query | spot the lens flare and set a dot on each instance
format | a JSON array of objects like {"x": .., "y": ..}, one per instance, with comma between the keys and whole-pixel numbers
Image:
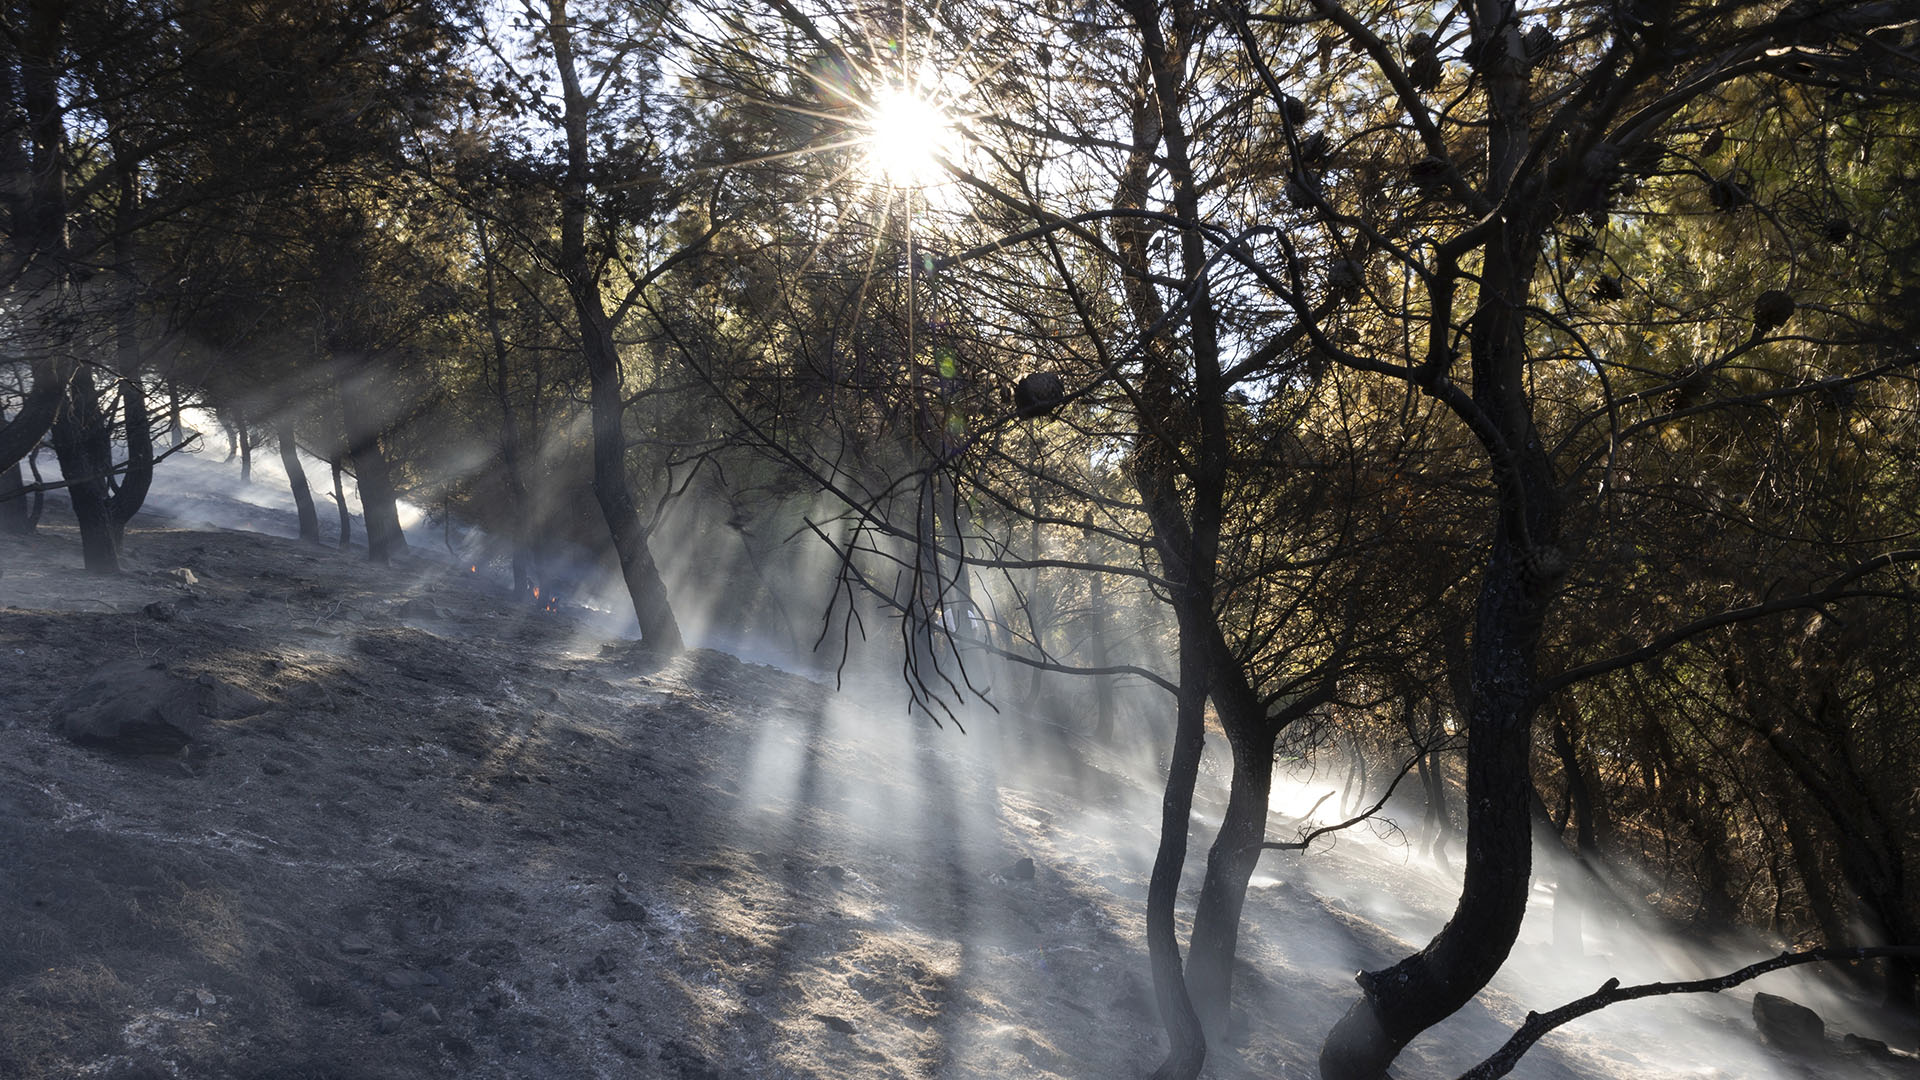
[{"x": 910, "y": 137}]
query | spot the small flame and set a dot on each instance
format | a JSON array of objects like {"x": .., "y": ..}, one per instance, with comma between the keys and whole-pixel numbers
[
  {"x": 474, "y": 569},
  {"x": 536, "y": 592}
]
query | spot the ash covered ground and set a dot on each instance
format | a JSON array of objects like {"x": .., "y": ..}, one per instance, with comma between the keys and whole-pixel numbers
[{"x": 426, "y": 832}]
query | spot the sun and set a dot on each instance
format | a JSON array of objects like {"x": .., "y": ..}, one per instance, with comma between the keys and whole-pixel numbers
[{"x": 910, "y": 137}]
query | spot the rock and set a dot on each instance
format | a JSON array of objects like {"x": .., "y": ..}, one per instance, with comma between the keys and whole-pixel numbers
[
  {"x": 390, "y": 1022},
  {"x": 355, "y": 945},
  {"x": 845, "y": 1027},
  {"x": 137, "y": 707},
  {"x": 419, "y": 607},
  {"x": 406, "y": 979},
  {"x": 315, "y": 991},
  {"x": 427, "y": 1014},
  {"x": 204, "y": 998},
  {"x": 273, "y": 768},
  {"x": 184, "y": 576},
  {"x": 232, "y": 702},
  {"x": 1020, "y": 870},
  {"x": 1859, "y": 1046},
  {"x": 1789, "y": 1026},
  {"x": 625, "y": 908},
  {"x": 161, "y": 611}
]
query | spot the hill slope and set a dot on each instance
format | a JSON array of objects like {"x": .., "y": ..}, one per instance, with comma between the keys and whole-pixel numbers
[{"x": 426, "y": 833}]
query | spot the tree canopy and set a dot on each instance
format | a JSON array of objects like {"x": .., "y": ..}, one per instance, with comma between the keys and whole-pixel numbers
[{"x": 1519, "y": 396}]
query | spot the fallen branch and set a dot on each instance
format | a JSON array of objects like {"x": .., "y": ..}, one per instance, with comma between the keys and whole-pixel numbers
[{"x": 1611, "y": 992}]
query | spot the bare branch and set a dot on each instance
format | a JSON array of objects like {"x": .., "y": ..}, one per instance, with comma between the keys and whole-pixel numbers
[{"x": 1611, "y": 992}]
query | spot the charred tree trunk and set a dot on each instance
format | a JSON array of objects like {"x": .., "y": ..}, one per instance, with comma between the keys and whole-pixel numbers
[
  {"x": 1103, "y": 704},
  {"x": 246, "y": 449},
  {"x": 39, "y": 495},
  {"x": 511, "y": 451},
  {"x": 41, "y": 226},
  {"x": 131, "y": 492},
  {"x": 137, "y": 479},
  {"x": 1589, "y": 821},
  {"x": 1223, "y": 893},
  {"x": 378, "y": 500},
  {"x": 13, "y": 502},
  {"x": 1435, "y": 823},
  {"x": 297, "y": 480},
  {"x": 340, "y": 502},
  {"x": 1401, "y": 1001},
  {"x": 1186, "y": 1039},
  {"x": 31, "y": 422},
  {"x": 1522, "y": 575},
  {"x": 82, "y": 443},
  {"x": 1871, "y": 853},
  {"x": 658, "y": 626}
]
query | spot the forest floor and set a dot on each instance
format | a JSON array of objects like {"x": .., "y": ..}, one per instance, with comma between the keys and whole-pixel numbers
[{"x": 430, "y": 833}]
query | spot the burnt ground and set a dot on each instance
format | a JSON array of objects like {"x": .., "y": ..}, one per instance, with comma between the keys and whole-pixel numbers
[
  {"x": 428, "y": 833},
  {"x": 440, "y": 836}
]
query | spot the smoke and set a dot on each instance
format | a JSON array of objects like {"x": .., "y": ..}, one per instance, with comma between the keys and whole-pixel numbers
[
  {"x": 953, "y": 815},
  {"x": 1366, "y": 897}
]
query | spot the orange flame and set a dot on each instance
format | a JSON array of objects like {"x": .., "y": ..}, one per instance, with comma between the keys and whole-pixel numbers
[{"x": 536, "y": 592}]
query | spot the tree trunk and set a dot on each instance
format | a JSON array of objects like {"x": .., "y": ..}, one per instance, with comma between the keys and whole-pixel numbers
[
  {"x": 606, "y": 398},
  {"x": 297, "y": 480},
  {"x": 1872, "y": 855},
  {"x": 1186, "y": 1039},
  {"x": 378, "y": 503},
  {"x": 81, "y": 442},
  {"x": 1039, "y": 614},
  {"x": 131, "y": 494},
  {"x": 1223, "y": 894},
  {"x": 42, "y": 228},
  {"x": 13, "y": 502},
  {"x": 20, "y": 435},
  {"x": 39, "y": 495},
  {"x": 1103, "y": 704},
  {"x": 1400, "y": 1002},
  {"x": 246, "y": 449},
  {"x": 362, "y": 410},
  {"x": 340, "y": 501},
  {"x": 519, "y": 525},
  {"x": 1522, "y": 575}
]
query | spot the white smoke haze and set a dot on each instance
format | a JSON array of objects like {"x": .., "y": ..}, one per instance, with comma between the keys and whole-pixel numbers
[{"x": 950, "y": 812}]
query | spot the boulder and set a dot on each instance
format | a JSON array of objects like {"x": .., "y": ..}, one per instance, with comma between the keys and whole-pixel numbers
[
  {"x": 138, "y": 707},
  {"x": 232, "y": 701},
  {"x": 419, "y": 607},
  {"x": 1865, "y": 1047},
  {"x": 1789, "y": 1026}
]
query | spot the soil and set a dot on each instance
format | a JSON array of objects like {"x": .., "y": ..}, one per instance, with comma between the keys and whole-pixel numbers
[
  {"x": 447, "y": 836},
  {"x": 429, "y": 832}
]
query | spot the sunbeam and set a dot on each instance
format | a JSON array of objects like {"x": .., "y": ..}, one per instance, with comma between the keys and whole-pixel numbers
[{"x": 912, "y": 137}]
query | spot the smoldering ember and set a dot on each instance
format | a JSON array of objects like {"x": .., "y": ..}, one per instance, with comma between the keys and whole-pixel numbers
[{"x": 1123, "y": 538}]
